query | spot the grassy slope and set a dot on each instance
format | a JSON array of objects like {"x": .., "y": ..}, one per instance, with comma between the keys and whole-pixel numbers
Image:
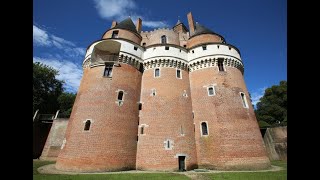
[{"x": 277, "y": 175}]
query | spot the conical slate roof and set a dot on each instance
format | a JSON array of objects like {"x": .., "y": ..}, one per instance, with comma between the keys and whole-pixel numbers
[
  {"x": 200, "y": 29},
  {"x": 126, "y": 24}
]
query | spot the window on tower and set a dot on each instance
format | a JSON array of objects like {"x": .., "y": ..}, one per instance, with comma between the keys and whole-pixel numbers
[
  {"x": 220, "y": 64},
  {"x": 244, "y": 100},
  {"x": 120, "y": 95},
  {"x": 204, "y": 47},
  {"x": 204, "y": 129},
  {"x": 115, "y": 34},
  {"x": 157, "y": 72},
  {"x": 164, "y": 39},
  {"x": 87, "y": 125},
  {"x": 211, "y": 91},
  {"x": 108, "y": 69},
  {"x": 178, "y": 73}
]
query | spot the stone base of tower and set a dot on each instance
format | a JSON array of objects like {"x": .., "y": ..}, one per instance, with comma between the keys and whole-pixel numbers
[
  {"x": 258, "y": 163},
  {"x": 92, "y": 165}
]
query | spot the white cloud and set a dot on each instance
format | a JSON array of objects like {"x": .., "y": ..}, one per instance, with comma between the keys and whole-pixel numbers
[
  {"x": 69, "y": 72},
  {"x": 40, "y": 37},
  {"x": 256, "y": 95},
  {"x": 43, "y": 38},
  {"x": 121, "y": 9}
]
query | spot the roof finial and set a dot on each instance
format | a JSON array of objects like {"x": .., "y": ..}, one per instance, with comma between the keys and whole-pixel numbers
[{"x": 178, "y": 20}]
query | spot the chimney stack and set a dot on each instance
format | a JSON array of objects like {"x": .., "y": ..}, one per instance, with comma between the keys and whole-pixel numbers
[
  {"x": 191, "y": 23},
  {"x": 114, "y": 23},
  {"x": 139, "y": 25}
]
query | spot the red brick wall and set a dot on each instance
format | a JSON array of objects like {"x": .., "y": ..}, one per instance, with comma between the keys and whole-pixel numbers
[
  {"x": 110, "y": 144},
  {"x": 234, "y": 140},
  {"x": 123, "y": 34},
  {"x": 203, "y": 38},
  {"x": 164, "y": 114}
]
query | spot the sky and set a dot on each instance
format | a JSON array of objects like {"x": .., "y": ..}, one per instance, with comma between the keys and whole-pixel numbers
[{"x": 63, "y": 29}]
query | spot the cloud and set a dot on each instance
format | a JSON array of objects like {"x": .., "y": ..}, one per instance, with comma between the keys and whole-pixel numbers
[
  {"x": 43, "y": 38},
  {"x": 69, "y": 72},
  {"x": 121, "y": 9},
  {"x": 256, "y": 95},
  {"x": 40, "y": 37}
]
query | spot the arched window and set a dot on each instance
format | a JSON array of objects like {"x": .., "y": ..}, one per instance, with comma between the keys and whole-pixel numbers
[
  {"x": 87, "y": 125},
  {"x": 120, "y": 95},
  {"x": 204, "y": 128},
  {"x": 164, "y": 39}
]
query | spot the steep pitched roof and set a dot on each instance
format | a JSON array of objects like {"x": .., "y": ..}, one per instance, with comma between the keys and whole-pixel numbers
[{"x": 126, "y": 24}]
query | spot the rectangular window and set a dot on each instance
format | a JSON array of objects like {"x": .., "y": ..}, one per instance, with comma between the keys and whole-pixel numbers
[
  {"x": 153, "y": 92},
  {"x": 179, "y": 73},
  {"x": 108, "y": 70},
  {"x": 140, "y": 106},
  {"x": 244, "y": 100},
  {"x": 204, "y": 129},
  {"x": 204, "y": 47},
  {"x": 220, "y": 64},
  {"x": 135, "y": 48},
  {"x": 141, "y": 130},
  {"x": 157, "y": 72},
  {"x": 115, "y": 34},
  {"x": 211, "y": 91},
  {"x": 167, "y": 48}
]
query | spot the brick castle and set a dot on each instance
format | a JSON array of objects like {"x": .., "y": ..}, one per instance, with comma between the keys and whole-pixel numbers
[{"x": 167, "y": 99}]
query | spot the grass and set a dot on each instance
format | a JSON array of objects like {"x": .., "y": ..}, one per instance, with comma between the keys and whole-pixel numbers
[
  {"x": 132, "y": 176},
  {"x": 273, "y": 175}
]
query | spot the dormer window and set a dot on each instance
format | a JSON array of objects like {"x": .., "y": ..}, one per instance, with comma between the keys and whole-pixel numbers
[{"x": 115, "y": 34}]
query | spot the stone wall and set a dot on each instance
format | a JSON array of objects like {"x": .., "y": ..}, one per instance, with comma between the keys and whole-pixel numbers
[
  {"x": 275, "y": 140},
  {"x": 55, "y": 139}
]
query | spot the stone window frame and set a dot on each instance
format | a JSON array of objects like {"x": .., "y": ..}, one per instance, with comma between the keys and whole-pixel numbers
[
  {"x": 202, "y": 135},
  {"x": 84, "y": 122},
  {"x": 244, "y": 100},
  {"x": 166, "y": 40},
  {"x": 153, "y": 90},
  {"x": 120, "y": 102},
  {"x": 214, "y": 89},
  {"x": 154, "y": 73},
  {"x": 177, "y": 73},
  {"x": 171, "y": 144},
  {"x": 144, "y": 126},
  {"x": 185, "y": 94}
]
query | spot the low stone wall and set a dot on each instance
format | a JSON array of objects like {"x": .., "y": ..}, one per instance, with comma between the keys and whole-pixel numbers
[
  {"x": 275, "y": 140},
  {"x": 55, "y": 139}
]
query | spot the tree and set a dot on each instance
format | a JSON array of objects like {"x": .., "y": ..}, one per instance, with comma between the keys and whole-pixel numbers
[
  {"x": 66, "y": 101},
  {"x": 46, "y": 88},
  {"x": 272, "y": 108}
]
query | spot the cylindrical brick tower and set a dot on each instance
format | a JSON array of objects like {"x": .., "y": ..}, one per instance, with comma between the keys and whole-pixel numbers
[
  {"x": 226, "y": 130},
  {"x": 166, "y": 130},
  {"x": 102, "y": 132}
]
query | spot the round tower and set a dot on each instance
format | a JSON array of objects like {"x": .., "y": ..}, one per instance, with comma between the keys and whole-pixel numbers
[
  {"x": 226, "y": 130},
  {"x": 166, "y": 130},
  {"x": 102, "y": 132}
]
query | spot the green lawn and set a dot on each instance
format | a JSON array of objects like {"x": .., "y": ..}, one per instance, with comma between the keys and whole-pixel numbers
[
  {"x": 277, "y": 175},
  {"x": 132, "y": 176}
]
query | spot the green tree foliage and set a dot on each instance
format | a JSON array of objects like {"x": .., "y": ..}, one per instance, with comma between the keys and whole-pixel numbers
[
  {"x": 66, "y": 101},
  {"x": 46, "y": 88},
  {"x": 272, "y": 108}
]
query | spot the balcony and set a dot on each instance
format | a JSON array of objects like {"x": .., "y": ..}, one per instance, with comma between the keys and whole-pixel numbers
[{"x": 102, "y": 59}]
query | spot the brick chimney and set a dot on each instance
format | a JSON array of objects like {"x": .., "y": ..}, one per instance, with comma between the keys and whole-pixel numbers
[
  {"x": 114, "y": 23},
  {"x": 139, "y": 25},
  {"x": 191, "y": 23}
]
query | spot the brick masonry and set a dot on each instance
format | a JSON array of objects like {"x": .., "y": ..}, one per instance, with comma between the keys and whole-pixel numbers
[{"x": 115, "y": 140}]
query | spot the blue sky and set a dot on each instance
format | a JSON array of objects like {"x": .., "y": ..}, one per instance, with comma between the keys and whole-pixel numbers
[{"x": 62, "y": 30}]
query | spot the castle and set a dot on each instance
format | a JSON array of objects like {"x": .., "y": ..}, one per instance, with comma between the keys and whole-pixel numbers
[{"x": 167, "y": 99}]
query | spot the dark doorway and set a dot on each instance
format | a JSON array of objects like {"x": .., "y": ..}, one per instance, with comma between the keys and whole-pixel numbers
[{"x": 182, "y": 163}]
